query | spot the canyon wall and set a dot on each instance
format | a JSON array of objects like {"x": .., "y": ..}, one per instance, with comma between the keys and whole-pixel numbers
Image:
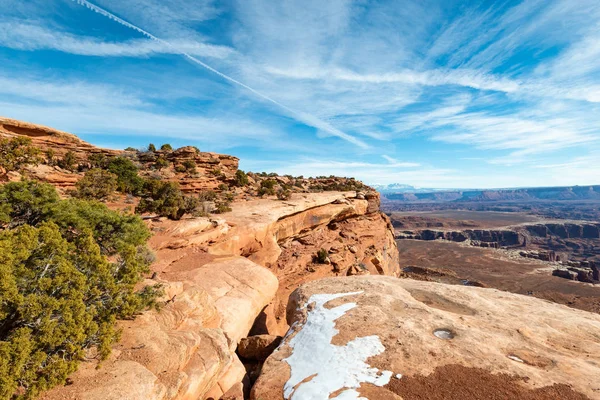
[{"x": 226, "y": 278}]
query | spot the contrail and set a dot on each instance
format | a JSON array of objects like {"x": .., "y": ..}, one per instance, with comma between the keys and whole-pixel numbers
[{"x": 301, "y": 116}]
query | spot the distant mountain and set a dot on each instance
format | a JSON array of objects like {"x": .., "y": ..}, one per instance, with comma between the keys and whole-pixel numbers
[
  {"x": 485, "y": 195},
  {"x": 402, "y": 188}
]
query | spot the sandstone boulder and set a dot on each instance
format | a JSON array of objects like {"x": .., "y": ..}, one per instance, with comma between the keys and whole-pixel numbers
[
  {"x": 381, "y": 337},
  {"x": 258, "y": 347}
]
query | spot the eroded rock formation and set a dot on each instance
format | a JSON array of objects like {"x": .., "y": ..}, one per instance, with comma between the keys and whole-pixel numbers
[
  {"x": 387, "y": 338},
  {"x": 220, "y": 275}
]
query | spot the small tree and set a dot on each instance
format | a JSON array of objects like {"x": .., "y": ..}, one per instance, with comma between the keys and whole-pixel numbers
[
  {"x": 151, "y": 147},
  {"x": 128, "y": 180},
  {"x": 166, "y": 147},
  {"x": 165, "y": 199},
  {"x": 96, "y": 184},
  {"x": 241, "y": 179},
  {"x": 68, "y": 162},
  {"x": 17, "y": 153}
]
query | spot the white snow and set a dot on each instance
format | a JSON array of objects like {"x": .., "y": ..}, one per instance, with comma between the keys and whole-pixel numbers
[
  {"x": 319, "y": 368},
  {"x": 515, "y": 358}
]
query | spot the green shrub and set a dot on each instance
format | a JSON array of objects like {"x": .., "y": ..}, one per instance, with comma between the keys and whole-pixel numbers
[
  {"x": 284, "y": 194},
  {"x": 222, "y": 207},
  {"x": 67, "y": 271},
  {"x": 161, "y": 163},
  {"x": 207, "y": 195},
  {"x": 50, "y": 154},
  {"x": 166, "y": 200},
  {"x": 321, "y": 257},
  {"x": 98, "y": 160},
  {"x": 166, "y": 147},
  {"x": 241, "y": 179},
  {"x": 131, "y": 149},
  {"x": 126, "y": 171},
  {"x": 190, "y": 166},
  {"x": 26, "y": 202},
  {"x": 267, "y": 187},
  {"x": 17, "y": 153},
  {"x": 151, "y": 147},
  {"x": 96, "y": 184},
  {"x": 68, "y": 162}
]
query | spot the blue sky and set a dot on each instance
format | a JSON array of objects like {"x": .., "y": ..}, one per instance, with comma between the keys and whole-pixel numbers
[{"x": 429, "y": 93}]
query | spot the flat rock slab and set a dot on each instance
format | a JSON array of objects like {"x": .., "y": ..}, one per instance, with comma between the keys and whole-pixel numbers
[{"x": 373, "y": 337}]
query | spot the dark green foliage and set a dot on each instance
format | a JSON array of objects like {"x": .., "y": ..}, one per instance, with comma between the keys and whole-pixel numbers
[
  {"x": 96, "y": 184},
  {"x": 267, "y": 187},
  {"x": 151, "y": 147},
  {"x": 68, "y": 162},
  {"x": 179, "y": 168},
  {"x": 67, "y": 272},
  {"x": 17, "y": 153},
  {"x": 241, "y": 179},
  {"x": 190, "y": 166},
  {"x": 165, "y": 199},
  {"x": 166, "y": 147},
  {"x": 26, "y": 202},
  {"x": 126, "y": 171},
  {"x": 161, "y": 163},
  {"x": 131, "y": 149},
  {"x": 321, "y": 257},
  {"x": 98, "y": 160},
  {"x": 223, "y": 187}
]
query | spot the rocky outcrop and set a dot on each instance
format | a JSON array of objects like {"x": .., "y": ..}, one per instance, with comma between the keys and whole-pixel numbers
[
  {"x": 212, "y": 169},
  {"x": 216, "y": 287},
  {"x": 387, "y": 338},
  {"x": 185, "y": 351}
]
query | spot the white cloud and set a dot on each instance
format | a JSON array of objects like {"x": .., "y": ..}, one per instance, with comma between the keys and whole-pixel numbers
[{"x": 30, "y": 37}]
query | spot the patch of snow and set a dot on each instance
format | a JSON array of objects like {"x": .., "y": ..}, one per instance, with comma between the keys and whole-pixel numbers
[
  {"x": 319, "y": 368},
  {"x": 398, "y": 376}
]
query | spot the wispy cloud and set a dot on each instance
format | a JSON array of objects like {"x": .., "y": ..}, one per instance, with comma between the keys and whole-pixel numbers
[
  {"x": 30, "y": 37},
  {"x": 515, "y": 84}
]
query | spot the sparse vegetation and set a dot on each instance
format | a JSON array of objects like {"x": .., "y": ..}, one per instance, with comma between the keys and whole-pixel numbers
[
  {"x": 241, "y": 179},
  {"x": 68, "y": 270},
  {"x": 267, "y": 187},
  {"x": 151, "y": 147},
  {"x": 190, "y": 166},
  {"x": 284, "y": 194},
  {"x": 96, "y": 184},
  {"x": 161, "y": 163},
  {"x": 68, "y": 161},
  {"x": 17, "y": 153},
  {"x": 166, "y": 200},
  {"x": 166, "y": 147},
  {"x": 321, "y": 257}
]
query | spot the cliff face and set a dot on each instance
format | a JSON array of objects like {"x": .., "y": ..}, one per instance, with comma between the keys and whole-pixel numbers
[
  {"x": 211, "y": 168},
  {"x": 224, "y": 278}
]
